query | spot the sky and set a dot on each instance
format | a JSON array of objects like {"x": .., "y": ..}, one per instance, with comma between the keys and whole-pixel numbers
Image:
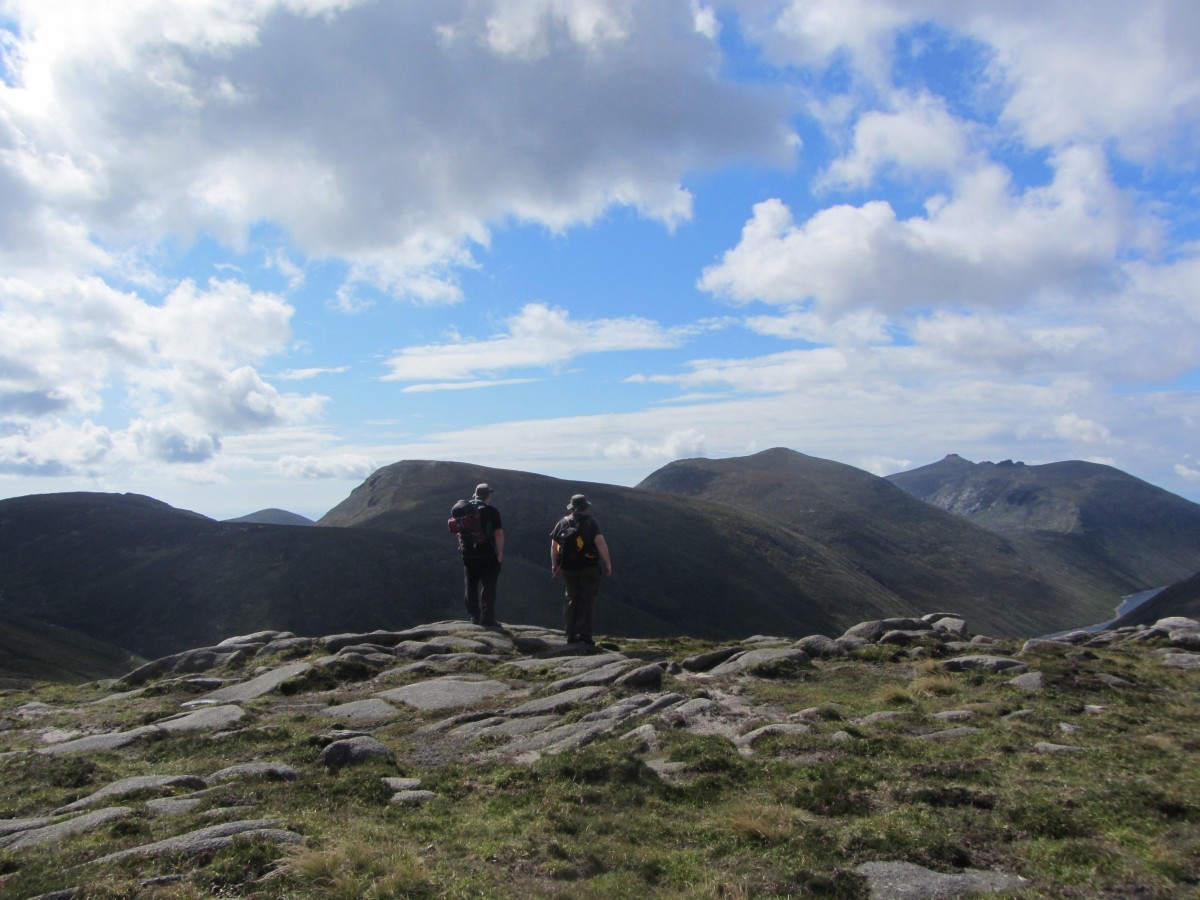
[{"x": 252, "y": 250}]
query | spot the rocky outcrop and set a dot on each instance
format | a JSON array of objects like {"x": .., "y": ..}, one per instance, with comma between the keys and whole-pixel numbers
[{"x": 456, "y": 691}]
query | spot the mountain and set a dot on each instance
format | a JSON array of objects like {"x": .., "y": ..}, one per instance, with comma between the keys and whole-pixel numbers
[
  {"x": 273, "y": 517},
  {"x": 1098, "y": 525},
  {"x": 778, "y": 542},
  {"x": 139, "y": 574},
  {"x": 913, "y": 551},
  {"x": 681, "y": 566}
]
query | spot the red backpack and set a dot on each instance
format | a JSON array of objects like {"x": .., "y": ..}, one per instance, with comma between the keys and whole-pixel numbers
[{"x": 466, "y": 521}]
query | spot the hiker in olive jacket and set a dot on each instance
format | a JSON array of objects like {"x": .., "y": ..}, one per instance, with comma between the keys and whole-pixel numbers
[{"x": 579, "y": 553}]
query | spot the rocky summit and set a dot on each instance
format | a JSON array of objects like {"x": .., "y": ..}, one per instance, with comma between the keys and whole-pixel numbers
[{"x": 906, "y": 757}]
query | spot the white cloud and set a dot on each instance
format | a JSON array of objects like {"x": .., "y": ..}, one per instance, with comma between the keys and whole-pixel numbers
[
  {"x": 1096, "y": 72},
  {"x": 175, "y": 439},
  {"x": 52, "y": 447},
  {"x": 313, "y": 372},
  {"x": 1078, "y": 429},
  {"x": 919, "y": 138},
  {"x": 225, "y": 322},
  {"x": 537, "y": 337},
  {"x": 464, "y": 385},
  {"x": 526, "y": 28},
  {"x": 815, "y": 32},
  {"x": 987, "y": 245},
  {"x": 1108, "y": 71},
  {"x": 785, "y": 372},
  {"x": 885, "y": 465},
  {"x": 334, "y": 465},
  {"x": 72, "y": 348},
  {"x": 434, "y": 121},
  {"x": 856, "y": 328},
  {"x": 677, "y": 445}
]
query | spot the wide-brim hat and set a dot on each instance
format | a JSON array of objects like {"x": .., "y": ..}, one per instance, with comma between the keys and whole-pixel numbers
[
  {"x": 578, "y": 503},
  {"x": 483, "y": 490}
]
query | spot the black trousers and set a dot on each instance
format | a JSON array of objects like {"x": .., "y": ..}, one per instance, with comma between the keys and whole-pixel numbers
[
  {"x": 582, "y": 587},
  {"x": 480, "y": 582}
]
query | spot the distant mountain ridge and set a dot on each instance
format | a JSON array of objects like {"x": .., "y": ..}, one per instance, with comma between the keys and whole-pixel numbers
[
  {"x": 1110, "y": 530},
  {"x": 907, "y": 546},
  {"x": 719, "y": 549},
  {"x": 273, "y": 516}
]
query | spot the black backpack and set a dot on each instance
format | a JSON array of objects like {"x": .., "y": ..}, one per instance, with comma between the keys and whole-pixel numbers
[
  {"x": 466, "y": 520},
  {"x": 575, "y": 538}
]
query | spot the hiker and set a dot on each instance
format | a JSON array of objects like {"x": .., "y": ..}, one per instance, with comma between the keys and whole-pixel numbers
[
  {"x": 482, "y": 554},
  {"x": 579, "y": 553}
]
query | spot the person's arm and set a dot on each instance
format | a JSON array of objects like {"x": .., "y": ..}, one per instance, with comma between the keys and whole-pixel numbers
[
  {"x": 602, "y": 549},
  {"x": 498, "y": 536},
  {"x": 554, "y": 567}
]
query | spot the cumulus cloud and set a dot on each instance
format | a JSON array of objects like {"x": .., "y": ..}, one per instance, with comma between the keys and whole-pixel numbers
[
  {"x": 53, "y": 447},
  {"x": 392, "y": 135},
  {"x": 182, "y": 366},
  {"x": 919, "y": 137},
  {"x": 1107, "y": 72},
  {"x": 988, "y": 244},
  {"x": 175, "y": 439}
]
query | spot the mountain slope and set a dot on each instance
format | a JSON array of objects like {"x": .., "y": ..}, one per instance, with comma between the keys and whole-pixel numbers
[
  {"x": 1109, "y": 530},
  {"x": 905, "y": 546},
  {"x": 32, "y": 651},
  {"x": 1179, "y": 599},
  {"x": 135, "y": 572}
]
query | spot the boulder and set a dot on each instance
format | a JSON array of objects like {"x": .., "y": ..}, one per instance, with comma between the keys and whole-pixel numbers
[
  {"x": 763, "y": 661},
  {"x": 446, "y": 693},
  {"x": 818, "y": 646},
  {"x": 358, "y": 713},
  {"x": 908, "y": 881},
  {"x": 752, "y": 737},
  {"x": 642, "y": 678},
  {"x": 135, "y": 785},
  {"x": 60, "y": 831},
  {"x": 215, "y": 837},
  {"x": 986, "y": 663},
  {"x": 873, "y": 630},
  {"x": 702, "y": 662},
  {"x": 256, "y": 687},
  {"x": 275, "y": 771},
  {"x": 354, "y": 752}
]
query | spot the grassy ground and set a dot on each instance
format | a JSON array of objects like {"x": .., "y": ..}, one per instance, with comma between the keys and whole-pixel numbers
[{"x": 1120, "y": 818}]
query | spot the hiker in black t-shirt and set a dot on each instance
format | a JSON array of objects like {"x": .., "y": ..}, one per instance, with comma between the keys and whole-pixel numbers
[
  {"x": 481, "y": 561},
  {"x": 579, "y": 553}
]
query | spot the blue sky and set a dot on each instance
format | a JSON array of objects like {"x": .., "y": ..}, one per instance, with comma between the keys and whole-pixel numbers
[{"x": 251, "y": 252}]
